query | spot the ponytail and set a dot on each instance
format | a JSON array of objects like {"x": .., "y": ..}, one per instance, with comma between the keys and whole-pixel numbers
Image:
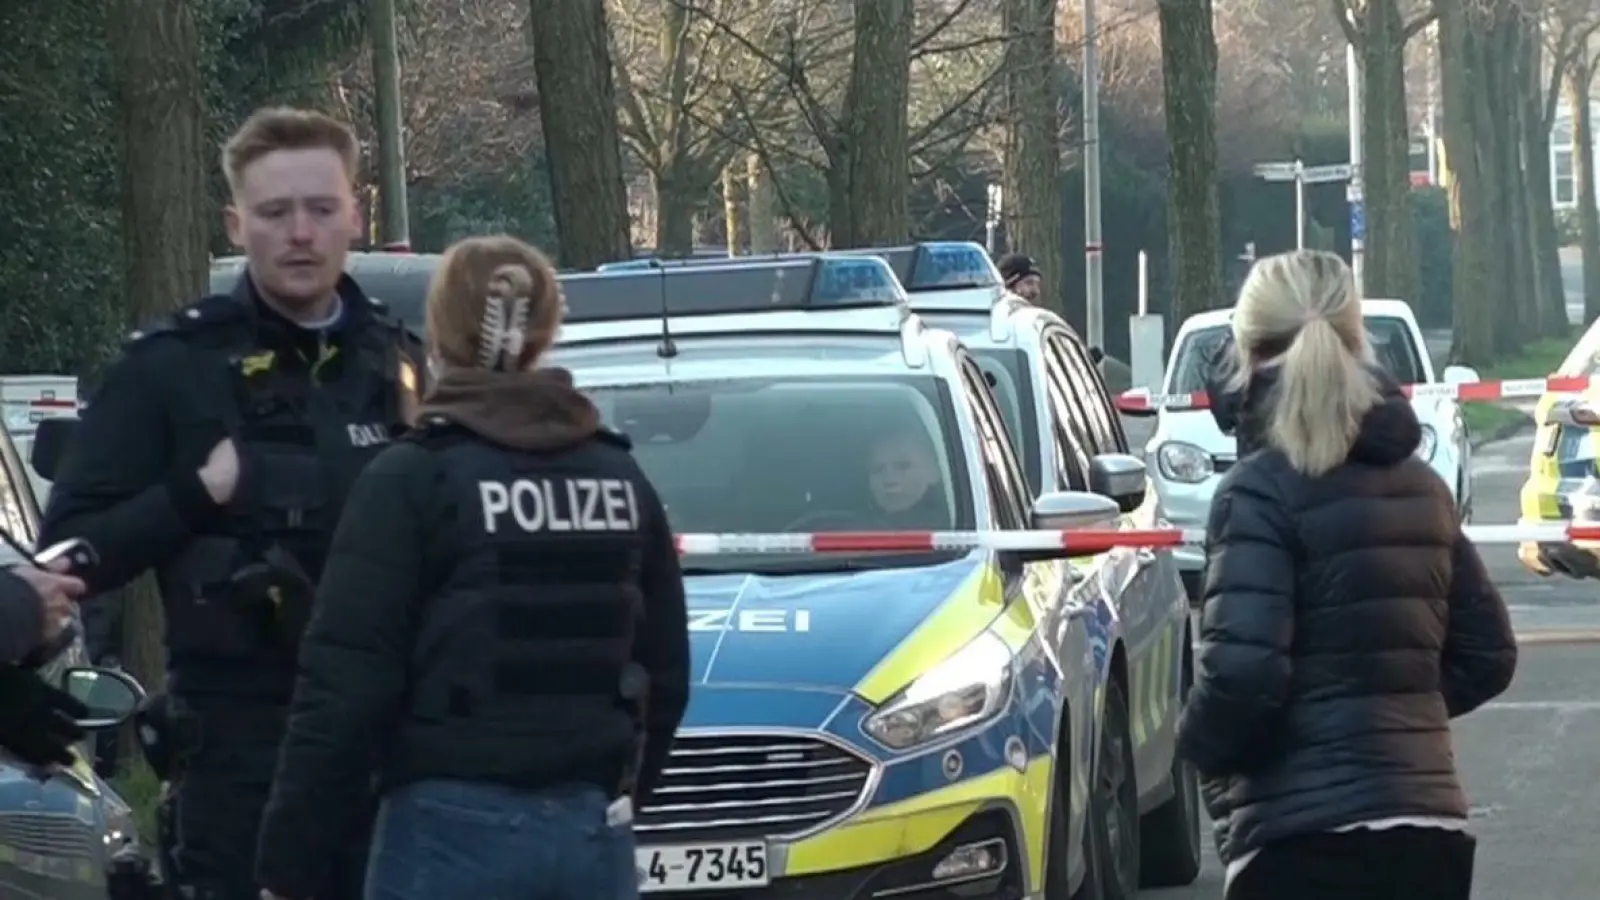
[{"x": 1323, "y": 393}]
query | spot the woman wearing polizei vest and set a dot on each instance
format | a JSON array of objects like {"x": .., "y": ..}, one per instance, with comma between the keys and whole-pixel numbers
[{"x": 513, "y": 662}]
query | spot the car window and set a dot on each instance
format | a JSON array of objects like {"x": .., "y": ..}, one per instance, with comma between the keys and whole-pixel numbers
[
  {"x": 1103, "y": 422},
  {"x": 1071, "y": 426},
  {"x": 1006, "y": 483},
  {"x": 1007, "y": 371},
  {"x": 1393, "y": 347},
  {"x": 797, "y": 453}
]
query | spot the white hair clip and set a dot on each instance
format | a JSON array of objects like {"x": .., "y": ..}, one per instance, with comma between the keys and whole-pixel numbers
[{"x": 501, "y": 338}]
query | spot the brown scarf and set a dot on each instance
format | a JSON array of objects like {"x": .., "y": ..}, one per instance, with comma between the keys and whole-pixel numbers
[{"x": 538, "y": 410}]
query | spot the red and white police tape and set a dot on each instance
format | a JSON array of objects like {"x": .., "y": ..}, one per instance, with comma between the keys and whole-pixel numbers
[
  {"x": 1129, "y": 401},
  {"x": 1089, "y": 540}
]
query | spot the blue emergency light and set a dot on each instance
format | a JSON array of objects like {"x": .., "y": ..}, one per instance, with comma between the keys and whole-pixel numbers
[
  {"x": 939, "y": 265},
  {"x": 928, "y": 266},
  {"x": 648, "y": 289}
]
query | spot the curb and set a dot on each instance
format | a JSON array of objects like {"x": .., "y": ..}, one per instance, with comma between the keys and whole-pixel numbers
[{"x": 1560, "y": 636}]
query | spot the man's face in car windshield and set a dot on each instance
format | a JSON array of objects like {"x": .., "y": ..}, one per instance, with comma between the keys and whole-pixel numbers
[{"x": 295, "y": 217}]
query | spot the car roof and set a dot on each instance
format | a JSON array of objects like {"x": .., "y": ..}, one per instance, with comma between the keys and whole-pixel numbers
[{"x": 1370, "y": 308}]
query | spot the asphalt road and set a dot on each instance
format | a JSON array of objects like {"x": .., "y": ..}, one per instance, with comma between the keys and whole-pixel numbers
[{"x": 1533, "y": 777}]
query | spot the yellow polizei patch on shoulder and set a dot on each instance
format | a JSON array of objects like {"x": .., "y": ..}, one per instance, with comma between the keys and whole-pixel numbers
[{"x": 257, "y": 363}]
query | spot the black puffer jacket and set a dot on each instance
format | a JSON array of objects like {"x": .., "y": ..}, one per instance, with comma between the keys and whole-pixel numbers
[{"x": 1346, "y": 621}]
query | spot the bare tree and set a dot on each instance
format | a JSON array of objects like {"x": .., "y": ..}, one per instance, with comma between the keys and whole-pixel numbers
[
  {"x": 1379, "y": 30},
  {"x": 1032, "y": 159},
  {"x": 1569, "y": 28},
  {"x": 679, "y": 117},
  {"x": 577, "y": 103},
  {"x": 1189, "y": 73}
]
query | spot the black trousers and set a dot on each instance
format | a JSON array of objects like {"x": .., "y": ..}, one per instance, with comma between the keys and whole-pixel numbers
[
  {"x": 1391, "y": 864},
  {"x": 211, "y": 814}
]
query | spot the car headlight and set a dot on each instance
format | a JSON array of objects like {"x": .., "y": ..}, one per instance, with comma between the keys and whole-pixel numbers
[
  {"x": 1430, "y": 444},
  {"x": 1183, "y": 462},
  {"x": 971, "y": 686}
]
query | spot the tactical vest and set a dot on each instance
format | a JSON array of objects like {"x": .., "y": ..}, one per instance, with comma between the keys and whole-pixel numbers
[
  {"x": 528, "y": 629},
  {"x": 301, "y": 442}
]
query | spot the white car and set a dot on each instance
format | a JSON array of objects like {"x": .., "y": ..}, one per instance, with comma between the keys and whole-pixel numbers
[{"x": 1188, "y": 453}]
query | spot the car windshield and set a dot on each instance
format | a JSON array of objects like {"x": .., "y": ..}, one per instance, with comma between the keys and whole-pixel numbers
[
  {"x": 1007, "y": 371},
  {"x": 797, "y": 454},
  {"x": 1389, "y": 337}
]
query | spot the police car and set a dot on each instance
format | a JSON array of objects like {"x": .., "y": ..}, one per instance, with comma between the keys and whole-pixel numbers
[
  {"x": 1564, "y": 468},
  {"x": 917, "y": 723},
  {"x": 57, "y": 832}
]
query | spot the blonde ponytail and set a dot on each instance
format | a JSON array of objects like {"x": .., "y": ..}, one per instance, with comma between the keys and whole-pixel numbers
[
  {"x": 1323, "y": 393},
  {"x": 1300, "y": 312}
]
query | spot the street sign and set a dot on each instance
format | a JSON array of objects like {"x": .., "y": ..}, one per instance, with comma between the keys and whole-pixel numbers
[
  {"x": 1320, "y": 174},
  {"x": 1290, "y": 171},
  {"x": 1276, "y": 171},
  {"x": 1358, "y": 222}
]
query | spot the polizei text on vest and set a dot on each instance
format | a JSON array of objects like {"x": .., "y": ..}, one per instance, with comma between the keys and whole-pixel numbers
[{"x": 560, "y": 504}]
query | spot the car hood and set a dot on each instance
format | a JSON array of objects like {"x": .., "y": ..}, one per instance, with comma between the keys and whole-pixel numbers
[{"x": 825, "y": 631}]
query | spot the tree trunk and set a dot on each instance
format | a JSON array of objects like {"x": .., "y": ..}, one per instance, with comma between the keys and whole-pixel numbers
[
  {"x": 161, "y": 101},
  {"x": 1546, "y": 240},
  {"x": 1390, "y": 262},
  {"x": 677, "y": 203},
  {"x": 1523, "y": 303},
  {"x": 1032, "y": 176},
  {"x": 577, "y": 107},
  {"x": 1189, "y": 86},
  {"x": 1492, "y": 133},
  {"x": 1459, "y": 64},
  {"x": 876, "y": 128},
  {"x": 734, "y": 213},
  {"x": 396, "y": 218},
  {"x": 1580, "y": 81},
  {"x": 761, "y": 206}
]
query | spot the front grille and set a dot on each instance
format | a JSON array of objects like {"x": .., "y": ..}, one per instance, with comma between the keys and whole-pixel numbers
[
  {"x": 49, "y": 835},
  {"x": 751, "y": 786}
]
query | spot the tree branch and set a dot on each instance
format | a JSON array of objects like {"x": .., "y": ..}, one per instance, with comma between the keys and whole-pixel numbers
[
  {"x": 943, "y": 23},
  {"x": 1415, "y": 26},
  {"x": 1345, "y": 15}
]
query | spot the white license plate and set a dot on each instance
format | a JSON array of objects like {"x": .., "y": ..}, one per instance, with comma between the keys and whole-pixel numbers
[{"x": 702, "y": 867}]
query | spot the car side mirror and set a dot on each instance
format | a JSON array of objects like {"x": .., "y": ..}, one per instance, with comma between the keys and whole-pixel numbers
[
  {"x": 1069, "y": 511},
  {"x": 1460, "y": 375},
  {"x": 112, "y": 696},
  {"x": 1121, "y": 477},
  {"x": 50, "y": 442},
  {"x": 1135, "y": 402}
]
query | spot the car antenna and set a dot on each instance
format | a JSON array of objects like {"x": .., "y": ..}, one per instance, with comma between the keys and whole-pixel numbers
[{"x": 667, "y": 349}]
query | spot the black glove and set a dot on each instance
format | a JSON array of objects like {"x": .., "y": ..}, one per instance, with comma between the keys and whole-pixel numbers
[{"x": 36, "y": 720}]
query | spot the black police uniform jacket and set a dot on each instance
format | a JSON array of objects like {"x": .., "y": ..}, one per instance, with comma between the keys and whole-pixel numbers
[
  {"x": 494, "y": 576},
  {"x": 306, "y": 410},
  {"x": 1346, "y": 620}
]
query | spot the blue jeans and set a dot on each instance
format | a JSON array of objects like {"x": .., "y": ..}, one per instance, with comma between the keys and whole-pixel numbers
[{"x": 440, "y": 839}]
